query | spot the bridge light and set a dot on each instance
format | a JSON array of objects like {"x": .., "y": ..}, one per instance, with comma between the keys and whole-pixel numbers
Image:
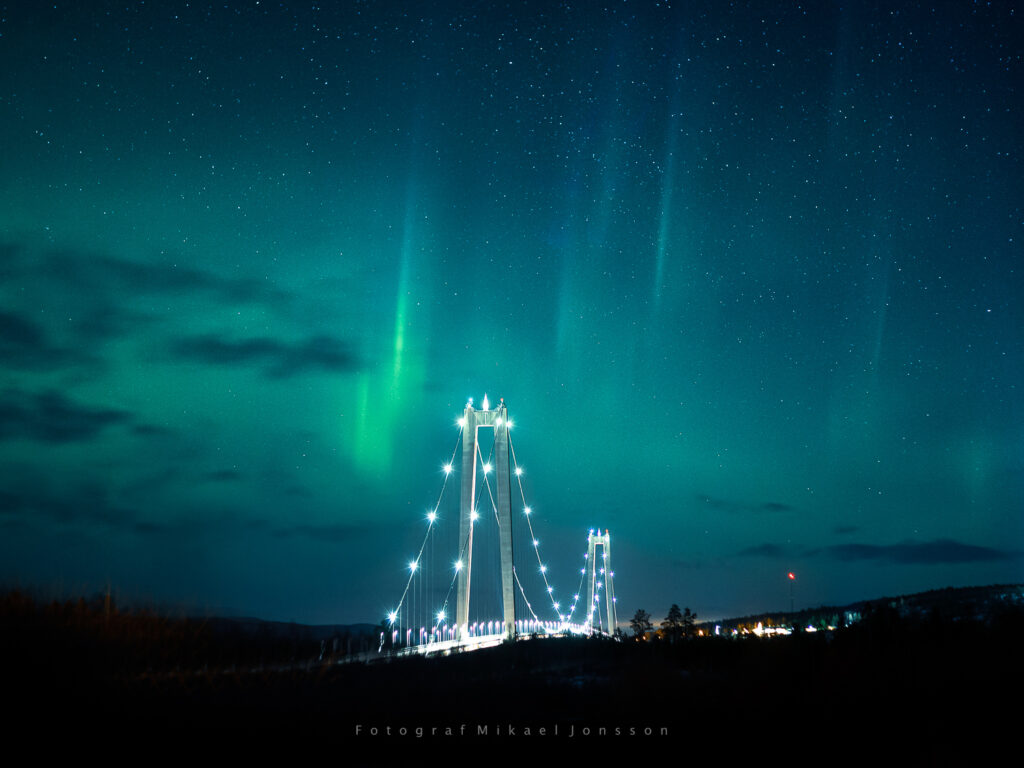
[
  {"x": 508, "y": 423},
  {"x": 556, "y": 606},
  {"x": 474, "y": 516},
  {"x": 440, "y": 616},
  {"x": 431, "y": 516},
  {"x": 526, "y": 510},
  {"x": 583, "y": 570},
  {"x": 543, "y": 569},
  {"x": 458, "y": 566},
  {"x": 497, "y": 422},
  {"x": 575, "y": 597},
  {"x": 462, "y": 421},
  {"x": 392, "y": 616},
  {"x": 413, "y": 565},
  {"x": 535, "y": 542},
  {"x": 519, "y": 471},
  {"x": 447, "y": 469},
  {"x": 487, "y": 467},
  {"x": 550, "y": 590},
  {"x": 486, "y": 405}
]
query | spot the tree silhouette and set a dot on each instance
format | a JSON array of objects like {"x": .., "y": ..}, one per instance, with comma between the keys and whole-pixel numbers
[
  {"x": 640, "y": 624},
  {"x": 673, "y": 623},
  {"x": 689, "y": 619}
]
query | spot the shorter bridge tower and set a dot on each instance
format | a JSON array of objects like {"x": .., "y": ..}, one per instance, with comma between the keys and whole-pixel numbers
[{"x": 600, "y": 568}]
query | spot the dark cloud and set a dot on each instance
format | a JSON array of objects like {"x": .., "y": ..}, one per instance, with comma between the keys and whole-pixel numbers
[
  {"x": 763, "y": 550},
  {"x": 844, "y": 530},
  {"x": 156, "y": 277},
  {"x": 93, "y": 295},
  {"x": 161, "y": 278},
  {"x": 278, "y": 359},
  {"x": 940, "y": 551},
  {"x": 223, "y": 476},
  {"x": 29, "y": 499},
  {"x": 24, "y": 344},
  {"x": 50, "y": 417},
  {"x": 730, "y": 505}
]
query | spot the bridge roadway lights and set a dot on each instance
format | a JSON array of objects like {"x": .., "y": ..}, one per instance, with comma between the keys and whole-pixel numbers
[{"x": 496, "y": 419}]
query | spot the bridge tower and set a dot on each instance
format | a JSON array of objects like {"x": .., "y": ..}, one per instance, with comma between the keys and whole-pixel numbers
[
  {"x": 594, "y": 568},
  {"x": 473, "y": 420}
]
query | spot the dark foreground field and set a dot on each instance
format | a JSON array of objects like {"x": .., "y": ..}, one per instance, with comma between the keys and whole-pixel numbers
[{"x": 922, "y": 688}]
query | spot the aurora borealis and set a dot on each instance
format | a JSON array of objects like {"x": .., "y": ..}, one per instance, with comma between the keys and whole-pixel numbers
[{"x": 747, "y": 275}]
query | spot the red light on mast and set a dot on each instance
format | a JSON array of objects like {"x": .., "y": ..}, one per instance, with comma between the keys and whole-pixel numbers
[{"x": 792, "y": 576}]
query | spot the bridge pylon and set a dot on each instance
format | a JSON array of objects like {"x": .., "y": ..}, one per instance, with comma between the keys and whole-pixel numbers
[
  {"x": 604, "y": 567},
  {"x": 473, "y": 420}
]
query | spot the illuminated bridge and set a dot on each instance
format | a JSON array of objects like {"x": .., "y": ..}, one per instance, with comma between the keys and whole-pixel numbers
[{"x": 468, "y": 549}]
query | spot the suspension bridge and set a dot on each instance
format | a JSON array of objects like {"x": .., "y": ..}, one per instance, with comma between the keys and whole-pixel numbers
[{"x": 434, "y": 613}]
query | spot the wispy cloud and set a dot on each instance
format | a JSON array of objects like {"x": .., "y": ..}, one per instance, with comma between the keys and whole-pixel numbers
[
  {"x": 940, "y": 551},
  {"x": 223, "y": 476},
  {"x": 25, "y": 345},
  {"x": 50, "y": 417},
  {"x": 763, "y": 550},
  {"x": 732, "y": 505},
  {"x": 278, "y": 359}
]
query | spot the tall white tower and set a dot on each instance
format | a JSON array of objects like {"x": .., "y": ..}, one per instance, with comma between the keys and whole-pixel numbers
[
  {"x": 473, "y": 420},
  {"x": 600, "y": 567}
]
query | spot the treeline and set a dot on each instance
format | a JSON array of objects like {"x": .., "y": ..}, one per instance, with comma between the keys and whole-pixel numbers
[{"x": 94, "y": 639}]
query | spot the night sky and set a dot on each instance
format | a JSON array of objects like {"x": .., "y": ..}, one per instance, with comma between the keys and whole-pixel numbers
[{"x": 748, "y": 276}]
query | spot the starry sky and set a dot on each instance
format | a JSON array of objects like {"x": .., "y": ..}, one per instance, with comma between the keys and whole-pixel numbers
[{"x": 748, "y": 276}]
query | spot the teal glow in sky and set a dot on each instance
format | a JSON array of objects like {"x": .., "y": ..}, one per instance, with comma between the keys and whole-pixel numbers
[{"x": 748, "y": 277}]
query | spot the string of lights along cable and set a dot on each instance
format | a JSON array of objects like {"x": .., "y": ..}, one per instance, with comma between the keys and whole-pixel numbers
[{"x": 473, "y": 547}]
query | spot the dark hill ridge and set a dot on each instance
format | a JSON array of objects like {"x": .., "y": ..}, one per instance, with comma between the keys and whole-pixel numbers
[
  {"x": 931, "y": 678},
  {"x": 950, "y": 604}
]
